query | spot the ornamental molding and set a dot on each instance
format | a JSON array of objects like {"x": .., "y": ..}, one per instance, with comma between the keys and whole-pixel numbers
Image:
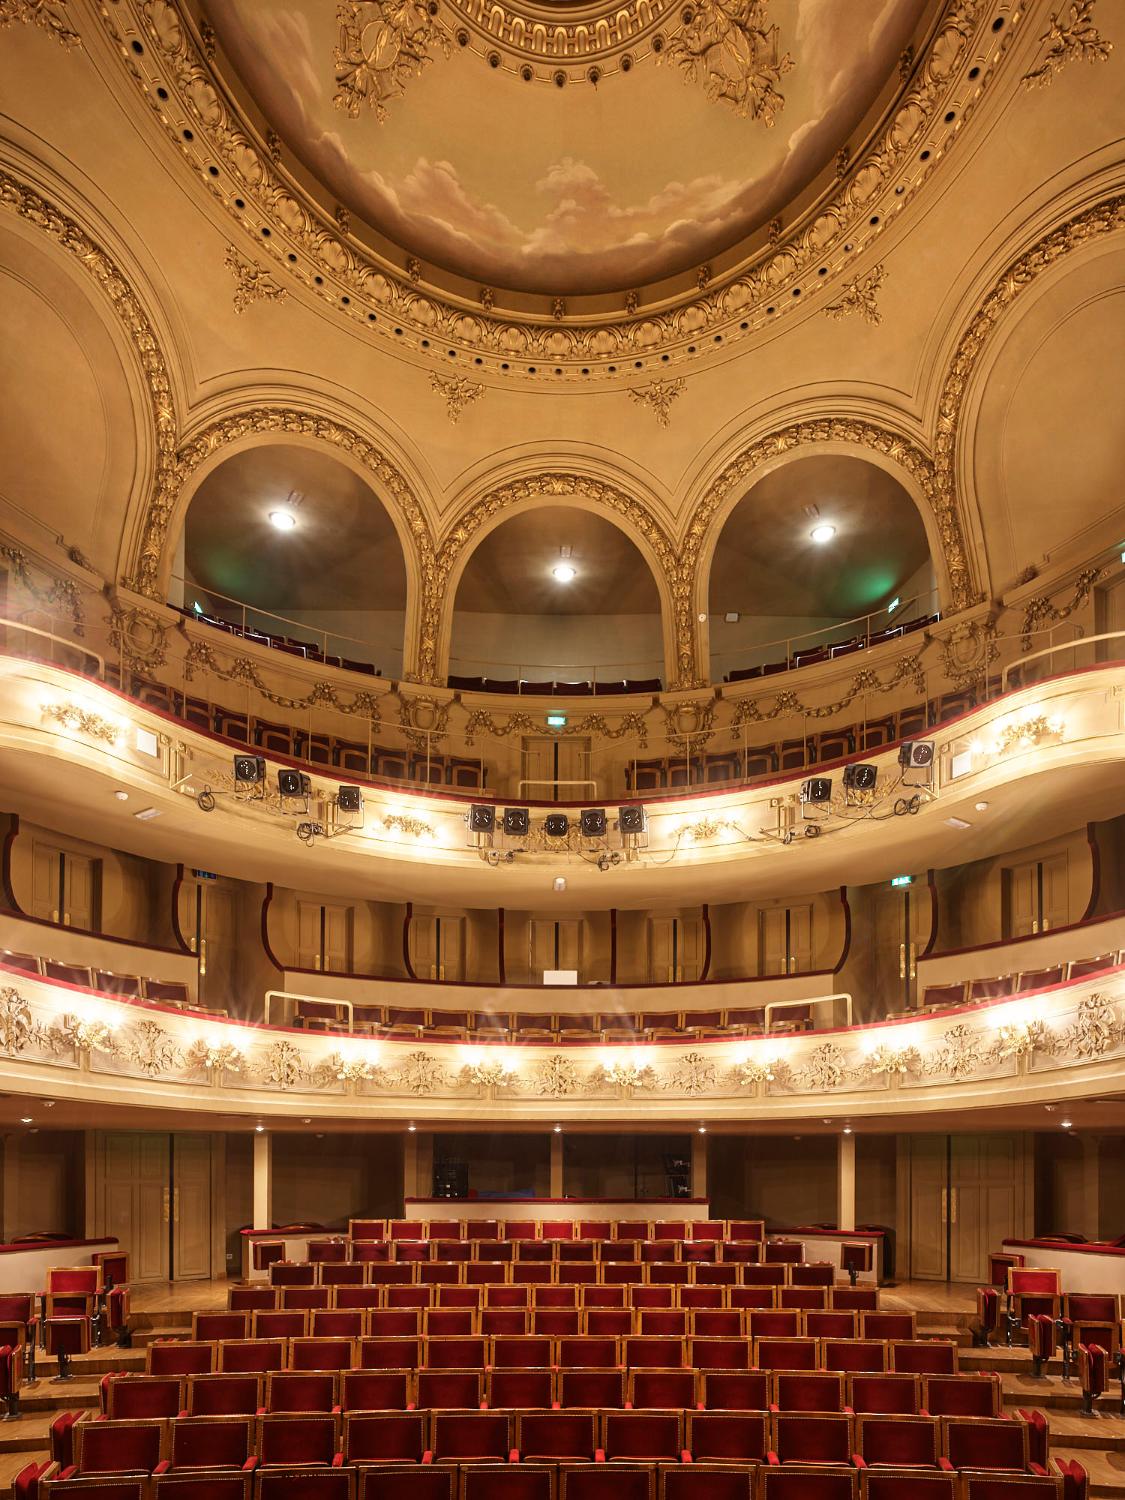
[
  {"x": 383, "y": 44},
  {"x": 1028, "y": 1039},
  {"x": 629, "y": 725},
  {"x": 658, "y": 396},
  {"x": 56, "y": 593},
  {"x": 456, "y": 392},
  {"x": 202, "y": 658},
  {"x": 859, "y": 295},
  {"x": 366, "y": 284},
  {"x": 254, "y": 282},
  {"x": 85, "y": 720},
  {"x": 867, "y": 680},
  {"x": 139, "y": 636},
  {"x": 50, "y": 16},
  {"x": 1040, "y": 610},
  {"x": 1071, "y": 36},
  {"x": 729, "y": 49}
]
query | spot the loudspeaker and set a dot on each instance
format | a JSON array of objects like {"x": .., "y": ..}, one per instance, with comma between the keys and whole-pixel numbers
[
  {"x": 517, "y": 822},
  {"x": 592, "y": 822},
  {"x": 817, "y": 789},
  {"x": 482, "y": 818},
  {"x": 249, "y": 770},
  {"x": 631, "y": 818},
  {"x": 916, "y": 754},
  {"x": 556, "y": 825},
  {"x": 350, "y": 799},
  {"x": 293, "y": 784},
  {"x": 860, "y": 778}
]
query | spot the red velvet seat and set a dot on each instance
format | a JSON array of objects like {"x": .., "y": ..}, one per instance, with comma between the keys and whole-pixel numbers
[
  {"x": 565, "y": 1297},
  {"x": 887, "y": 1325},
  {"x": 292, "y": 1273},
  {"x": 365, "y": 1299},
  {"x": 830, "y": 1324},
  {"x": 388, "y": 1354},
  {"x": 507, "y": 1296},
  {"x": 727, "y": 1436},
  {"x": 1008, "y": 1486},
  {"x": 490, "y": 1481},
  {"x": 454, "y": 1353},
  {"x": 753, "y": 1298},
  {"x": 65, "y": 1337},
  {"x": 252, "y": 1298},
  {"x": 214, "y": 1327},
  {"x": 802, "y": 1297},
  {"x": 279, "y": 1323},
  {"x": 211, "y": 1443},
  {"x": 557, "y": 1436},
  {"x": 301, "y": 1390},
  {"x": 889, "y": 1395},
  {"x": 807, "y": 1390},
  {"x": 609, "y": 1322},
  {"x": 223, "y": 1395},
  {"x": 711, "y": 1481},
  {"x": 774, "y": 1323},
  {"x": 923, "y": 1357},
  {"x": 653, "y": 1296},
  {"x": 591, "y": 1388},
  {"x": 805, "y": 1484},
  {"x": 305, "y": 1298},
  {"x": 706, "y": 1297},
  {"x": 522, "y": 1353},
  {"x": 251, "y": 1356},
  {"x": 191, "y": 1485},
  {"x": 786, "y": 1354},
  {"x": 854, "y": 1298},
  {"x": 653, "y": 1353},
  {"x": 962, "y": 1395},
  {"x": 344, "y": 1273},
  {"x": 374, "y": 1390},
  {"x": 514, "y": 1389},
  {"x": 667, "y": 1321},
  {"x": 601, "y": 1482},
  {"x": 811, "y": 1438},
  {"x": 719, "y": 1354},
  {"x": 556, "y": 1322},
  {"x": 1034, "y": 1289},
  {"x": 126, "y": 1447},
  {"x": 453, "y": 1390},
  {"x": 737, "y": 1390},
  {"x": 449, "y": 1322},
  {"x": 504, "y": 1322},
  {"x": 132, "y": 1398},
  {"x": 986, "y": 1443},
  {"x": 897, "y": 1442},
  {"x": 338, "y": 1323},
  {"x": 716, "y": 1274},
  {"x": 717, "y": 1323},
  {"x": 589, "y": 1353},
  {"x": 379, "y": 1437},
  {"x": 820, "y": 1273},
  {"x": 673, "y": 1389},
  {"x": 651, "y": 1436},
  {"x": 396, "y": 1482},
  {"x": 908, "y": 1484},
  {"x": 862, "y": 1356},
  {"x": 290, "y": 1438},
  {"x": 1042, "y": 1341},
  {"x": 470, "y": 1436},
  {"x": 394, "y": 1322},
  {"x": 1092, "y": 1318},
  {"x": 304, "y": 1484}
]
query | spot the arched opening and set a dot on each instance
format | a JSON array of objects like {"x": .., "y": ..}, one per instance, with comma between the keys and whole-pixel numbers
[
  {"x": 295, "y": 550},
  {"x": 556, "y": 596},
  {"x": 822, "y": 557}
]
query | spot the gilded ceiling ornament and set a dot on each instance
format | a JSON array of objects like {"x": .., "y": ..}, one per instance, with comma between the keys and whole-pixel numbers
[
  {"x": 531, "y": 31},
  {"x": 859, "y": 296},
  {"x": 632, "y": 302},
  {"x": 50, "y": 15},
  {"x": 56, "y": 591},
  {"x": 456, "y": 392},
  {"x": 255, "y": 284},
  {"x": 71, "y": 716},
  {"x": 273, "y": 144},
  {"x": 1040, "y": 611},
  {"x": 1071, "y": 36},
  {"x": 414, "y": 268},
  {"x": 356, "y": 282},
  {"x": 343, "y": 218},
  {"x": 487, "y": 298},
  {"x": 731, "y": 51},
  {"x": 968, "y": 650},
  {"x": 658, "y": 396},
  {"x": 558, "y": 308},
  {"x": 383, "y": 45}
]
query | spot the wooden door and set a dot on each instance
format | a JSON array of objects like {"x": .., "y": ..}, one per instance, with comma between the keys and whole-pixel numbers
[
  {"x": 451, "y": 948},
  {"x": 423, "y": 940},
  {"x": 549, "y": 762},
  {"x": 929, "y": 1207},
  {"x": 324, "y": 937},
  {"x": 207, "y": 921},
  {"x": 662, "y": 950},
  {"x": 191, "y": 1207},
  {"x": 1022, "y": 882},
  {"x": 538, "y": 766},
  {"x": 800, "y": 940},
  {"x": 79, "y": 878},
  {"x": 1054, "y": 892},
  {"x": 772, "y": 941},
  {"x": 136, "y": 1200},
  {"x": 46, "y": 876},
  {"x": 985, "y": 1196},
  {"x": 572, "y": 764}
]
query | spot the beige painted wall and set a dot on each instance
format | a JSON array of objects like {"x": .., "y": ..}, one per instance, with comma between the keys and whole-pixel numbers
[
  {"x": 970, "y": 898},
  {"x": 44, "y": 1183},
  {"x": 335, "y": 1177}
]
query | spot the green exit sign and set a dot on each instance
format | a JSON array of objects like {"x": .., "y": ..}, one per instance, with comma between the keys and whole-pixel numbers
[
  {"x": 903, "y": 880},
  {"x": 556, "y": 721}
]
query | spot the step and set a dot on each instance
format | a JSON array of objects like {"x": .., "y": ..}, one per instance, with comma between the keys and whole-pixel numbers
[
  {"x": 149, "y": 1335},
  {"x": 12, "y": 1463},
  {"x": 1102, "y": 1431},
  {"x": 1052, "y": 1393},
  {"x": 54, "y": 1395},
  {"x": 97, "y": 1362}
]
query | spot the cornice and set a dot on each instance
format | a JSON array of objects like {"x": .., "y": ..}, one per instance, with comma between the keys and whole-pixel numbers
[{"x": 583, "y": 339}]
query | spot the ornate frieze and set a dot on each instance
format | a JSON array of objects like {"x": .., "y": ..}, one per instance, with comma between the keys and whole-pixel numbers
[
  {"x": 456, "y": 392},
  {"x": 253, "y": 282},
  {"x": 50, "y": 16},
  {"x": 1042, "y": 611},
  {"x": 56, "y": 593}
]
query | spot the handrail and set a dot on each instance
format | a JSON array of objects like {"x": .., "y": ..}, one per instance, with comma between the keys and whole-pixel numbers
[
  {"x": 553, "y": 781},
  {"x": 269, "y": 614},
  {"x": 62, "y": 640},
  {"x": 1071, "y": 645},
  {"x": 900, "y": 613},
  {"x": 337, "y": 1005},
  {"x": 773, "y": 1005}
]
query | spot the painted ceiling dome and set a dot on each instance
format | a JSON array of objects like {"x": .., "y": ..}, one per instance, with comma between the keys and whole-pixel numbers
[{"x": 569, "y": 149}]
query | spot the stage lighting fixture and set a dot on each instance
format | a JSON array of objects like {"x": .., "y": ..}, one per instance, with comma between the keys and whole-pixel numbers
[
  {"x": 482, "y": 818},
  {"x": 517, "y": 822},
  {"x": 249, "y": 770},
  {"x": 556, "y": 825},
  {"x": 349, "y": 799},
  {"x": 631, "y": 818},
  {"x": 592, "y": 822},
  {"x": 860, "y": 778},
  {"x": 293, "y": 783},
  {"x": 816, "y": 789},
  {"x": 916, "y": 755}
]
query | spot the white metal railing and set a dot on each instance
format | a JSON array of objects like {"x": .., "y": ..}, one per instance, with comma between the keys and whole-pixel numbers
[
  {"x": 1072, "y": 645},
  {"x": 775, "y": 1005},
  {"x": 7, "y": 624},
  {"x": 289, "y": 997}
]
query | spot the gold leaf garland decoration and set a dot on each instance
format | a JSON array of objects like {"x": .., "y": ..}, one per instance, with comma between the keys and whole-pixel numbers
[
  {"x": 860, "y": 295},
  {"x": 1070, "y": 37},
  {"x": 49, "y": 15},
  {"x": 254, "y": 282},
  {"x": 58, "y": 591}
]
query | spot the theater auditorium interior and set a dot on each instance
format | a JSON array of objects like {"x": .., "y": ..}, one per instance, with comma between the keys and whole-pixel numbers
[{"x": 562, "y": 726}]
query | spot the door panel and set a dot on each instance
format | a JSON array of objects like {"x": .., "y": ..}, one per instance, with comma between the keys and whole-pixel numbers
[
  {"x": 45, "y": 883},
  {"x": 1055, "y": 909},
  {"x": 136, "y": 1200},
  {"x": 423, "y": 947},
  {"x": 800, "y": 939},
  {"x": 662, "y": 950},
  {"x": 337, "y": 939},
  {"x": 928, "y": 1207},
  {"x": 772, "y": 944},
  {"x": 308, "y": 935},
  {"x": 78, "y": 896},
  {"x": 1023, "y": 899},
  {"x": 191, "y": 1206}
]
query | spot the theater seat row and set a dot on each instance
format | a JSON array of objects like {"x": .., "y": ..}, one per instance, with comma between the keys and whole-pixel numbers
[
  {"x": 416, "y": 1272},
  {"x": 517, "y": 1295}
]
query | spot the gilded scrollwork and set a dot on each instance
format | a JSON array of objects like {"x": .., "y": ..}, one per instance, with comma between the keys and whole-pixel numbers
[
  {"x": 253, "y": 283},
  {"x": 788, "y": 701},
  {"x": 85, "y": 720},
  {"x": 730, "y": 50},
  {"x": 859, "y": 295},
  {"x": 202, "y": 659},
  {"x": 383, "y": 44},
  {"x": 968, "y": 651},
  {"x": 629, "y": 726},
  {"x": 658, "y": 396},
  {"x": 419, "y": 1073},
  {"x": 1094, "y": 1031},
  {"x": 147, "y": 1045},
  {"x": 283, "y": 1064},
  {"x": 691, "y": 1074},
  {"x": 457, "y": 393},
  {"x": 1071, "y": 36},
  {"x": 139, "y": 637},
  {"x": 57, "y": 592},
  {"x": 556, "y": 1077},
  {"x": 1041, "y": 611},
  {"x": 19, "y": 1029},
  {"x": 50, "y": 16}
]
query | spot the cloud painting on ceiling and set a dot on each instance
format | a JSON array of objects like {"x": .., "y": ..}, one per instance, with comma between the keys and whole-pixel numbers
[{"x": 580, "y": 189}]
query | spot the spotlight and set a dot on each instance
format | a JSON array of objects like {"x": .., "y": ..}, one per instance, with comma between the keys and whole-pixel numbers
[
  {"x": 482, "y": 818},
  {"x": 293, "y": 784},
  {"x": 517, "y": 822},
  {"x": 350, "y": 799},
  {"x": 249, "y": 770},
  {"x": 916, "y": 755},
  {"x": 283, "y": 520},
  {"x": 860, "y": 778},
  {"x": 556, "y": 825},
  {"x": 564, "y": 573},
  {"x": 559, "y": 883},
  {"x": 631, "y": 818},
  {"x": 592, "y": 822},
  {"x": 816, "y": 789},
  {"x": 822, "y": 533}
]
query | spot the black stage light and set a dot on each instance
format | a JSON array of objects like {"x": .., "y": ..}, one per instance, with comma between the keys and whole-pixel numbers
[
  {"x": 556, "y": 825},
  {"x": 860, "y": 778},
  {"x": 349, "y": 799},
  {"x": 482, "y": 818},
  {"x": 816, "y": 789},
  {"x": 631, "y": 818},
  {"x": 517, "y": 822},
  {"x": 249, "y": 770},
  {"x": 592, "y": 822},
  {"x": 916, "y": 755},
  {"x": 293, "y": 783}
]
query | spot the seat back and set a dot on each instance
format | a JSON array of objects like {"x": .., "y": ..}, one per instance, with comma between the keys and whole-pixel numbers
[
  {"x": 211, "y": 1442},
  {"x": 300, "y": 1391},
  {"x": 561, "y": 1436},
  {"x": 985, "y": 1443},
  {"x": 890, "y": 1395},
  {"x": 736, "y": 1390},
  {"x": 251, "y": 1356},
  {"x": 385, "y": 1437},
  {"x": 223, "y": 1395},
  {"x": 975, "y": 1396},
  {"x": 374, "y": 1390},
  {"x": 292, "y": 1438},
  {"x": 648, "y": 1435},
  {"x": 731, "y": 1436},
  {"x": 118, "y": 1447},
  {"x": 134, "y": 1397},
  {"x": 923, "y": 1357},
  {"x": 514, "y": 1389},
  {"x": 180, "y": 1357},
  {"x": 808, "y": 1390},
  {"x": 459, "y": 1435},
  {"x": 905, "y": 1441},
  {"x": 812, "y": 1437}
]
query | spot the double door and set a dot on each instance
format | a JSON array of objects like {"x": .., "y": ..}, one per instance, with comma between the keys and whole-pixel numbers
[
  {"x": 785, "y": 939},
  {"x": 207, "y": 922},
  {"x": 675, "y": 949},
  {"x": 903, "y": 926},
  {"x": 437, "y": 947},
  {"x": 967, "y": 1193},
  {"x": 156, "y": 1198},
  {"x": 554, "y": 769},
  {"x": 1036, "y": 896},
  {"x": 65, "y": 887},
  {"x": 553, "y": 945}
]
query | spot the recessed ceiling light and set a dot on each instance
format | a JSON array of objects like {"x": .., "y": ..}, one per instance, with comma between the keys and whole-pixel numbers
[
  {"x": 703, "y": 1130},
  {"x": 981, "y": 806},
  {"x": 258, "y": 1129},
  {"x": 121, "y": 796},
  {"x": 563, "y": 573},
  {"x": 558, "y": 1130},
  {"x": 411, "y": 1129},
  {"x": 25, "y": 1120},
  {"x": 957, "y": 823},
  {"x": 823, "y": 532},
  {"x": 284, "y": 520},
  {"x": 847, "y": 1130},
  {"x": 146, "y": 814},
  {"x": 1065, "y": 1124}
]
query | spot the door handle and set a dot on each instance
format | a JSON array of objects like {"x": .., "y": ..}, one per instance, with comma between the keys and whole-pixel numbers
[
  {"x": 176, "y": 1205},
  {"x": 902, "y": 960},
  {"x": 202, "y": 957},
  {"x": 165, "y": 1205},
  {"x": 913, "y": 969},
  {"x": 953, "y": 1196},
  {"x": 945, "y": 1205}
]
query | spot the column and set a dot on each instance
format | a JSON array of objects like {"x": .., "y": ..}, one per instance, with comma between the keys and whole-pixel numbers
[
  {"x": 557, "y": 1164},
  {"x": 409, "y": 1167},
  {"x": 1091, "y": 1186},
  {"x": 845, "y": 1182},
  {"x": 263, "y": 1180},
  {"x": 698, "y": 1165}
]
